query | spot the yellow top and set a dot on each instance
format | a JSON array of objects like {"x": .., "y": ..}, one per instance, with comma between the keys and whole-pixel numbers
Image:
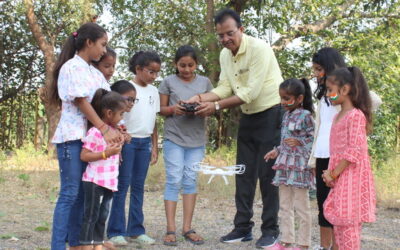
[{"x": 253, "y": 75}]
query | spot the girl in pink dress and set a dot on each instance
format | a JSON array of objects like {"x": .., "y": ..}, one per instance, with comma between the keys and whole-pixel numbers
[
  {"x": 100, "y": 178},
  {"x": 351, "y": 200}
]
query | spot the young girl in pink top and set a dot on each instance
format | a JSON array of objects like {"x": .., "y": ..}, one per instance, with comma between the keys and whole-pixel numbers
[
  {"x": 100, "y": 179},
  {"x": 351, "y": 200}
]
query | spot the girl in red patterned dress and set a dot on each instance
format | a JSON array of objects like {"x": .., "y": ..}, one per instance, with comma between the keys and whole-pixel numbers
[{"x": 351, "y": 200}]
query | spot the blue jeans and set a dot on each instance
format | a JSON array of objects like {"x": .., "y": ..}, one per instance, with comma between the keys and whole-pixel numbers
[
  {"x": 178, "y": 166},
  {"x": 68, "y": 213},
  {"x": 136, "y": 157}
]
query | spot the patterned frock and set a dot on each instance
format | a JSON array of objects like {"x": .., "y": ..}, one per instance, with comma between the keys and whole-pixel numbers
[
  {"x": 352, "y": 199},
  {"x": 291, "y": 164}
]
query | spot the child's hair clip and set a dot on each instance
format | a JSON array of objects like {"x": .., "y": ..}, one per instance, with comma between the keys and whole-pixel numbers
[{"x": 75, "y": 34}]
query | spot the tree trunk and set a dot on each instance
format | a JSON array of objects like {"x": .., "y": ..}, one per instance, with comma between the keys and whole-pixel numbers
[
  {"x": 213, "y": 75},
  {"x": 52, "y": 112},
  {"x": 212, "y": 45}
]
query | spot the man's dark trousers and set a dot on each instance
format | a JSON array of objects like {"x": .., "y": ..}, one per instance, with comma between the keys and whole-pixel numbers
[{"x": 258, "y": 134}]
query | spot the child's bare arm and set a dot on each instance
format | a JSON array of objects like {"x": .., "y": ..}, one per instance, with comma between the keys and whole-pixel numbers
[{"x": 89, "y": 156}]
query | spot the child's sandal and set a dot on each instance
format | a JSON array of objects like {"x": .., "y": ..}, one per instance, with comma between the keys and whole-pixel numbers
[
  {"x": 170, "y": 243},
  {"x": 187, "y": 237}
]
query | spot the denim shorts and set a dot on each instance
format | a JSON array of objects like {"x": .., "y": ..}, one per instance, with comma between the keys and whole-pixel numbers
[{"x": 180, "y": 175}]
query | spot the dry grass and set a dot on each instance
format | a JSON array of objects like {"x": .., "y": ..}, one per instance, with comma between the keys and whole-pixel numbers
[{"x": 387, "y": 179}]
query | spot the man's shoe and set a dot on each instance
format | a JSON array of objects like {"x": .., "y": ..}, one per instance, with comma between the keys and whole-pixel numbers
[
  {"x": 266, "y": 241},
  {"x": 236, "y": 236}
]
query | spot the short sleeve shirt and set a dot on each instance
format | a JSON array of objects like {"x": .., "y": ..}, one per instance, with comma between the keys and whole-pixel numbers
[
  {"x": 184, "y": 130},
  {"x": 140, "y": 121},
  {"x": 102, "y": 172},
  {"x": 77, "y": 79}
]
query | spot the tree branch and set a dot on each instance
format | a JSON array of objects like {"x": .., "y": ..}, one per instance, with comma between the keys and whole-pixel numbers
[
  {"x": 14, "y": 91},
  {"x": 299, "y": 30},
  {"x": 46, "y": 48},
  {"x": 35, "y": 28},
  {"x": 126, "y": 29}
]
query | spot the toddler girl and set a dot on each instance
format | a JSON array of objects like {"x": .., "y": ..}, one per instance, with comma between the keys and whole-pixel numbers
[{"x": 100, "y": 179}]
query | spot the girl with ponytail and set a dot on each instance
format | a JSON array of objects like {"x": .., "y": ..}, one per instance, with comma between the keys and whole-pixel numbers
[
  {"x": 293, "y": 175},
  {"x": 100, "y": 179},
  {"x": 351, "y": 200},
  {"x": 75, "y": 82}
]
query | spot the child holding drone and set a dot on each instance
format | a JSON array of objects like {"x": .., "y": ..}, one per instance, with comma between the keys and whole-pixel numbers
[
  {"x": 293, "y": 175},
  {"x": 184, "y": 141}
]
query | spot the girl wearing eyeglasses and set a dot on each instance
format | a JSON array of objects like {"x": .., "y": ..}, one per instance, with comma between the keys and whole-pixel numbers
[{"x": 137, "y": 154}]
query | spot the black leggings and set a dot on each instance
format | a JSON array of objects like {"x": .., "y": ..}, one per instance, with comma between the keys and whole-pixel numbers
[{"x": 322, "y": 190}]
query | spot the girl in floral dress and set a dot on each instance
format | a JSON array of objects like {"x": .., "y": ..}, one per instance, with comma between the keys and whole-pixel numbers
[
  {"x": 351, "y": 200},
  {"x": 293, "y": 175}
]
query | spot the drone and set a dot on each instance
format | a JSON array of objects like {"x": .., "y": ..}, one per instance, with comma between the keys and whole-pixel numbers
[{"x": 222, "y": 171}]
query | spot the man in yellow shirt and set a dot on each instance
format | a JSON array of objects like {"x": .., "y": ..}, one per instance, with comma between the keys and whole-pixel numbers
[{"x": 250, "y": 77}]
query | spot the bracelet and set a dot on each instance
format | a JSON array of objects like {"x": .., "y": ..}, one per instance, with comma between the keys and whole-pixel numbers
[
  {"x": 172, "y": 109},
  {"x": 102, "y": 125},
  {"x": 199, "y": 97},
  {"x": 104, "y": 155},
  {"x": 332, "y": 175}
]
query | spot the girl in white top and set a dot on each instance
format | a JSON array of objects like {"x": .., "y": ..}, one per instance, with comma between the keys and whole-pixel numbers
[
  {"x": 75, "y": 82},
  {"x": 324, "y": 62},
  {"x": 141, "y": 151}
]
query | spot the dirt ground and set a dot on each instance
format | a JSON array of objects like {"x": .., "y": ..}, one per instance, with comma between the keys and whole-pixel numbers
[{"x": 27, "y": 201}]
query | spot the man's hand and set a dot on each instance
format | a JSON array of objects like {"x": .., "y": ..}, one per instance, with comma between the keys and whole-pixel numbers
[
  {"x": 205, "y": 109},
  {"x": 193, "y": 99}
]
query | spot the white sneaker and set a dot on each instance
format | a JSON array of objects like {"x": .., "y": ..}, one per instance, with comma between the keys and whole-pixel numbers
[{"x": 118, "y": 241}]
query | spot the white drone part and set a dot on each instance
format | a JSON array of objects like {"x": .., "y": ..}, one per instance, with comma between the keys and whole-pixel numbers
[{"x": 223, "y": 171}]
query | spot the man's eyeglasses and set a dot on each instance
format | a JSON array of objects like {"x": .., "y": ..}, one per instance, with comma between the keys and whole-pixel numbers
[
  {"x": 220, "y": 37},
  {"x": 151, "y": 72},
  {"x": 131, "y": 99}
]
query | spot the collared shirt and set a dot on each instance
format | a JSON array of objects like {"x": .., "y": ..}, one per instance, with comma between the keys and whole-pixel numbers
[
  {"x": 103, "y": 172},
  {"x": 252, "y": 74},
  {"x": 77, "y": 79}
]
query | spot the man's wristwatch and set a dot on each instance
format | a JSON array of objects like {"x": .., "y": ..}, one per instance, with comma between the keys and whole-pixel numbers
[{"x": 216, "y": 106}]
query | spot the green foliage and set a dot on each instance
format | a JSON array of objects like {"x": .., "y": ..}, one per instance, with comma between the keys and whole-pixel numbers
[
  {"x": 161, "y": 26},
  {"x": 45, "y": 227},
  {"x": 24, "y": 177},
  {"x": 6, "y": 236}
]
